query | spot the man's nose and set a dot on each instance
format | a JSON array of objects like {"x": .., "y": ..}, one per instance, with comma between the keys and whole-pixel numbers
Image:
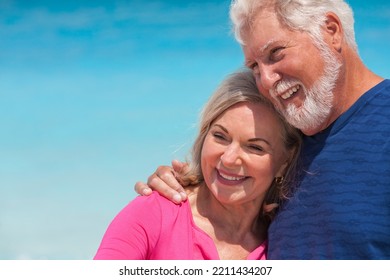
[{"x": 268, "y": 77}]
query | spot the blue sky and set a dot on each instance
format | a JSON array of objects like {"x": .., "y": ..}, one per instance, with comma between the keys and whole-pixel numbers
[{"x": 94, "y": 95}]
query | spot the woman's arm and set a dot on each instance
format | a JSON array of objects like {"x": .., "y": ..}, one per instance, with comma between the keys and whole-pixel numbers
[{"x": 132, "y": 233}]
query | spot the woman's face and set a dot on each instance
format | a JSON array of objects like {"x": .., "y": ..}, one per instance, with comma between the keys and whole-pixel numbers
[{"x": 242, "y": 154}]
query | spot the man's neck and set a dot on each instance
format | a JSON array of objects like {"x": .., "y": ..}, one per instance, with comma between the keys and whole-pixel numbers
[{"x": 357, "y": 80}]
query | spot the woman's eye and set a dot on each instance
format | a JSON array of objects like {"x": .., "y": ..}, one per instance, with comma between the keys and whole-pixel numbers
[
  {"x": 256, "y": 148},
  {"x": 219, "y": 136}
]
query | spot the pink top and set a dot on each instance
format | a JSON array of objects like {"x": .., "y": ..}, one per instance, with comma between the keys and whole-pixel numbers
[{"x": 153, "y": 228}]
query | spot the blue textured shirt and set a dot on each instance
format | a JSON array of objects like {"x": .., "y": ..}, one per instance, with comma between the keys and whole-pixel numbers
[{"x": 341, "y": 209}]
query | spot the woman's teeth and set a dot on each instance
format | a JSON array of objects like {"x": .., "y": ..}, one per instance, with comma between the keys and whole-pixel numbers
[{"x": 231, "y": 178}]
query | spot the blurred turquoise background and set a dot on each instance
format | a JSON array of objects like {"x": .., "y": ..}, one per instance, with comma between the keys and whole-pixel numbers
[{"x": 94, "y": 95}]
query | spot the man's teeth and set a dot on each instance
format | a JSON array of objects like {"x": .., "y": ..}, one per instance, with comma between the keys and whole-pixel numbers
[
  {"x": 231, "y": 178},
  {"x": 290, "y": 92}
]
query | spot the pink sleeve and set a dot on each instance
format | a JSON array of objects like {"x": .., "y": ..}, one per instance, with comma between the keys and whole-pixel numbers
[{"x": 133, "y": 232}]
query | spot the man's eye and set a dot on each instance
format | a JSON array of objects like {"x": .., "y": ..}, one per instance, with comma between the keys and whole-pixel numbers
[
  {"x": 277, "y": 50},
  {"x": 276, "y": 53},
  {"x": 255, "y": 69}
]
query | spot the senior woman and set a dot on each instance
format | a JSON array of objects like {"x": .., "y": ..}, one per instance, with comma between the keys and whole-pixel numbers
[{"x": 243, "y": 163}]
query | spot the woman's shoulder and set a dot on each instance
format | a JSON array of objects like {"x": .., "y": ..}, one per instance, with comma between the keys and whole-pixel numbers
[
  {"x": 155, "y": 201},
  {"x": 148, "y": 210}
]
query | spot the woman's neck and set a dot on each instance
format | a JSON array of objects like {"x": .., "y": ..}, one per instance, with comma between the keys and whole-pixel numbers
[{"x": 235, "y": 229}]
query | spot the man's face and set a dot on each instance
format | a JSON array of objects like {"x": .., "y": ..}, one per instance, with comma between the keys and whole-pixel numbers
[{"x": 292, "y": 72}]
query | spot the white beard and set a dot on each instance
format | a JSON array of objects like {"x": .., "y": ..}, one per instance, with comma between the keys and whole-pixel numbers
[{"x": 318, "y": 101}]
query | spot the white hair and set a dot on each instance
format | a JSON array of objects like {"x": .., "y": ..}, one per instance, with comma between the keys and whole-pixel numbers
[{"x": 301, "y": 15}]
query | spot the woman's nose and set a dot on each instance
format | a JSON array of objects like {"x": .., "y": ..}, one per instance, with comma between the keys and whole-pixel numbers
[{"x": 231, "y": 156}]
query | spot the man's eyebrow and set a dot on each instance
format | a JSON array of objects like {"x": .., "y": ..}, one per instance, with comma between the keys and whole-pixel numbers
[
  {"x": 261, "y": 51},
  {"x": 267, "y": 45}
]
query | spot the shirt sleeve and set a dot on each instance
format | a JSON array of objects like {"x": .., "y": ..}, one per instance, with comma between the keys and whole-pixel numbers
[{"x": 134, "y": 231}]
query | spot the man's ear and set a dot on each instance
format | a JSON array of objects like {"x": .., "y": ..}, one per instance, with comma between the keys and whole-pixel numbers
[{"x": 334, "y": 33}]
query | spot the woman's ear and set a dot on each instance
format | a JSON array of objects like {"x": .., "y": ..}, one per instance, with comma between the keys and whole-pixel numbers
[
  {"x": 289, "y": 159},
  {"x": 282, "y": 169}
]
